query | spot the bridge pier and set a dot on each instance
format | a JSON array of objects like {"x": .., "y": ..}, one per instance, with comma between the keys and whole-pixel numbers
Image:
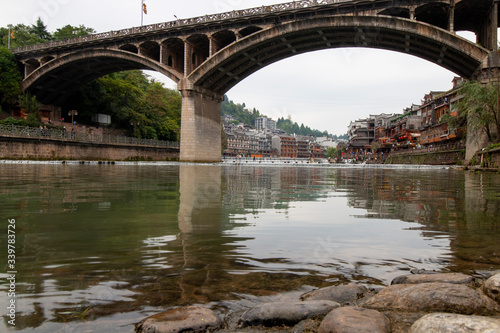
[{"x": 200, "y": 124}]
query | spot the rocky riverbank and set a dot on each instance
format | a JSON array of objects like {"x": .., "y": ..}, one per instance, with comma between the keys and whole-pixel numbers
[{"x": 416, "y": 303}]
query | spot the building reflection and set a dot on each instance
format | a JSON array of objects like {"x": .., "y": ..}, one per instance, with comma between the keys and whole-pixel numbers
[{"x": 117, "y": 239}]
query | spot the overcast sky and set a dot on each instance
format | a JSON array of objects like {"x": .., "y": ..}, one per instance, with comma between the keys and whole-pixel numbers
[{"x": 324, "y": 90}]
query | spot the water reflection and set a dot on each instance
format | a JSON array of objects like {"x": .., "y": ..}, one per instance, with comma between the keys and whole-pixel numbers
[{"x": 104, "y": 246}]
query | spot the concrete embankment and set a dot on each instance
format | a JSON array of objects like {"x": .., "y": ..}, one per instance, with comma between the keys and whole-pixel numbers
[{"x": 52, "y": 149}]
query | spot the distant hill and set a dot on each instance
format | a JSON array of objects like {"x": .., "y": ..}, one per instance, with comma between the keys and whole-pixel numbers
[{"x": 245, "y": 116}]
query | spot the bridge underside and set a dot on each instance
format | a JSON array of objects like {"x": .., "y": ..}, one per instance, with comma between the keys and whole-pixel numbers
[
  {"x": 55, "y": 82},
  {"x": 236, "y": 62}
]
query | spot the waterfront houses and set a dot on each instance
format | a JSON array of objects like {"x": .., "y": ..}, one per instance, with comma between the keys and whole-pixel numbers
[
  {"x": 419, "y": 126},
  {"x": 265, "y": 140}
]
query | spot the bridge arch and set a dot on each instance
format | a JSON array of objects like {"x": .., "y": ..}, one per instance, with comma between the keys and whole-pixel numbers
[
  {"x": 396, "y": 12},
  {"x": 435, "y": 13},
  {"x": 150, "y": 50},
  {"x": 129, "y": 48},
  {"x": 239, "y": 60},
  {"x": 221, "y": 39},
  {"x": 50, "y": 86}
]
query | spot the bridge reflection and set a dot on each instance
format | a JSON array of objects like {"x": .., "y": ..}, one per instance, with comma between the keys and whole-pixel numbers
[{"x": 119, "y": 239}]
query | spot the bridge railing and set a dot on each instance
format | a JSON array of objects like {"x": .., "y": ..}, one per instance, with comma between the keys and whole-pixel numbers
[
  {"x": 183, "y": 22},
  {"x": 63, "y": 135}
]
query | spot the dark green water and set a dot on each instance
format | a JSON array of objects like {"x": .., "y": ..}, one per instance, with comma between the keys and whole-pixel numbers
[{"x": 100, "y": 247}]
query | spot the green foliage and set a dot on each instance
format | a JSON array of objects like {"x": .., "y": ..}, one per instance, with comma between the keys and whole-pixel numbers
[
  {"x": 10, "y": 77},
  {"x": 40, "y": 30},
  {"x": 245, "y": 116},
  {"x": 29, "y": 103},
  {"x": 375, "y": 146},
  {"x": 239, "y": 112},
  {"x": 33, "y": 120},
  {"x": 291, "y": 127},
  {"x": 70, "y": 31},
  {"x": 493, "y": 146},
  {"x": 35, "y": 34},
  {"x": 143, "y": 107},
  {"x": 331, "y": 152},
  {"x": 23, "y": 34},
  {"x": 13, "y": 121},
  {"x": 479, "y": 107}
]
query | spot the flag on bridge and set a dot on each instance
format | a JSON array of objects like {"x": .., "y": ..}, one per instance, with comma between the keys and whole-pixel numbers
[
  {"x": 12, "y": 34},
  {"x": 144, "y": 9}
]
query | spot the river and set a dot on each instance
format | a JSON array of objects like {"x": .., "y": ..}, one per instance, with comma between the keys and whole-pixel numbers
[{"x": 101, "y": 247}]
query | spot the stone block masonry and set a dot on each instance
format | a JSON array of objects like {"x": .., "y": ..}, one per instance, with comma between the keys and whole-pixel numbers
[
  {"x": 200, "y": 125},
  {"x": 46, "y": 149},
  {"x": 427, "y": 158}
]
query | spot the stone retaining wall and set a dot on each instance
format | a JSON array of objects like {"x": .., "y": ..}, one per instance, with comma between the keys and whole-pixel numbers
[
  {"x": 46, "y": 149},
  {"x": 489, "y": 159},
  {"x": 429, "y": 158}
]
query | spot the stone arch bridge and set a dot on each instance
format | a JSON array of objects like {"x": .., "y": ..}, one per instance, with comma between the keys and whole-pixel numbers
[{"x": 208, "y": 55}]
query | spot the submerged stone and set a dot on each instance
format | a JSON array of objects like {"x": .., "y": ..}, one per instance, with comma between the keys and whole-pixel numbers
[
  {"x": 348, "y": 294},
  {"x": 433, "y": 297},
  {"x": 455, "y": 278},
  {"x": 189, "y": 318},
  {"x": 454, "y": 323},
  {"x": 354, "y": 320},
  {"x": 492, "y": 287},
  {"x": 285, "y": 313}
]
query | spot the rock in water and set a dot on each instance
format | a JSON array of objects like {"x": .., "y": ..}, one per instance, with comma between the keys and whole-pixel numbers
[
  {"x": 453, "y": 323},
  {"x": 455, "y": 278},
  {"x": 492, "y": 287},
  {"x": 354, "y": 320},
  {"x": 285, "y": 313},
  {"x": 348, "y": 294},
  {"x": 433, "y": 297},
  {"x": 189, "y": 318}
]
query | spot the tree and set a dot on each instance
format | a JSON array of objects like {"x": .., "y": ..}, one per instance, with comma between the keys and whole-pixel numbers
[
  {"x": 375, "y": 146},
  {"x": 479, "y": 106},
  {"x": 29, "y": 103},
  {"x": 40, "y": 30},
  {"x": 70, "y": 31},
  {"x": 23, "y": 36},
  {"x": 331, "y": 152},
  {"x": 10, "y": 77},
  {"x": 144, "y": 107}
]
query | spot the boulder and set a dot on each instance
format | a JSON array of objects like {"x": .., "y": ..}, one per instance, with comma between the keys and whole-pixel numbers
[
  {"x": 453, "y": 323},
  {"x": 285, "y": 313},
  {"x": 455, "y": 278},
  {"x": 433, "y": 297},
  {"x": 354, "y": 320},
  {"x": 348, "y": 294},
  {"x": 189, "y": 318},
  {"x": 492, "y": 287},
  {"x": 308, "y": 325}
]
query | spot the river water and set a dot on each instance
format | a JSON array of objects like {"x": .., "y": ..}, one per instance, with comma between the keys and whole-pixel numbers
[{"x": 100, "y": 247}]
